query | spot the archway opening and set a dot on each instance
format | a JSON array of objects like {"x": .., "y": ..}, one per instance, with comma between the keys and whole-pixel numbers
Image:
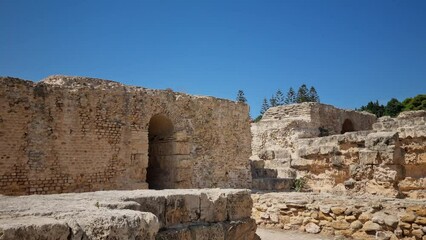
[
  {"x": 347, "y": 126},
  {"x": 160, "y": 171}
]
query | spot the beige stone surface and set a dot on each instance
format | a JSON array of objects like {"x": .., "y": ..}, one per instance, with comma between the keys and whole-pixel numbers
[
  {"x": 370, "y": 216},
  {"x": 124, "y": 215},
  {"x": 386, "y": 157},
  {"x": 76, "y": 134}
]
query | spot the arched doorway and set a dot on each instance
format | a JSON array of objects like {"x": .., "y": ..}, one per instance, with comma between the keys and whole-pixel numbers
[
  {"x": 160, "y": 172},
  {"x": 347, "y": 126}
]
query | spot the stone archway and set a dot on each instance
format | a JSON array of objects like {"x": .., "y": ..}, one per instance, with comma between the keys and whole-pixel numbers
[
  {"x": 160, "y": 171},
  {"x": 347, "y": 126}
]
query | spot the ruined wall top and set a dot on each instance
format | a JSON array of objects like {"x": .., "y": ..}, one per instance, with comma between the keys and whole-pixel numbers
[
  {"x": 311, "y": 117},
  {"x": 304, "y": 110}
]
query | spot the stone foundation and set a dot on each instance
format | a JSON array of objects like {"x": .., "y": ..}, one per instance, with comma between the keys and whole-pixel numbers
[
  {"x": 141, "y": 214},
  {"x": 357, "y": 217}
]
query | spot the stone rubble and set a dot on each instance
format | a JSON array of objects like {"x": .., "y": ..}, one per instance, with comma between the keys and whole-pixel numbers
[{"x": 360, "y": 217}]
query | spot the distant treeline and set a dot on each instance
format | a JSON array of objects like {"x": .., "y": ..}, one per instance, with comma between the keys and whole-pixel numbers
[{"x": 394, "y": 107}]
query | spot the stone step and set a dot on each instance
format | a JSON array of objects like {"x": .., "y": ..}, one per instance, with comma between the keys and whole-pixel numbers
[
  {"x": 264, "y": 173},
  {"x": 273, "y": 184}
]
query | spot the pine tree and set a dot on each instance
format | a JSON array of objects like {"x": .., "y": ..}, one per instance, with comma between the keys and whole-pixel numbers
[
  {"x": 291, "y": 97},
  {"x": 279, "y": 97},
  {"x": 240, "y": 97},
  {"x": 302, "y": 94},
  {"x": 313, "y": 95},
  {"x": 265, "y": 106},
  {"x": 273, "y": 101}
]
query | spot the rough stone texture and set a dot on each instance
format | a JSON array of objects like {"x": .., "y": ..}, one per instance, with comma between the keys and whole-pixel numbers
[
  {"x": 123, "y": 215},
  {"x": 354, "y": 217},
  {"x": 387, "y": 157},
  {"x": 276, "y": 137},
  {"x": 74, "y": 134}
]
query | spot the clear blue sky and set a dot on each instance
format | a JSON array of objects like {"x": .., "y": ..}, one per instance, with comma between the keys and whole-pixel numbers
[{"x": 351, "y": 51}]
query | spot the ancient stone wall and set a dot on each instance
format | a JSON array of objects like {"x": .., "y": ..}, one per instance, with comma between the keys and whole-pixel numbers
[
  {"x": 73, "y": 134},
  {"x": 281, "y": 127},
  {"x": 387, "y": 160},
  {"x": 361, "y": 217},
  {"x": 140, "y": 214}
]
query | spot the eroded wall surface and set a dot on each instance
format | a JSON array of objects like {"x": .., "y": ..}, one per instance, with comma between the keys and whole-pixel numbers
[
  {"x": 387, "y": 159},
  {"x": 73, "y": 134},
  {"x": 361, "y": 217},
  {"x": 139, "y": 214},
  {"x": 275, "y": 136}
]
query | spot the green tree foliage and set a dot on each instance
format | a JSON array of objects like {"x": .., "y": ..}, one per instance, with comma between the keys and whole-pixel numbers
[
  {"x": 279, "y": 98},
  {"x": 313, "y": 95},
  {"x": 273, "y": 101},
  {"x": 265, "y": 106},
  {"x": 393, "y": 108},
  {"x": 258, "y": 118},
  {"x": 302, "y": 94},
  {"x": 416, "y": 103},
  {"x": 241, "y": 97},
  {"x": 291, "y": 97},
  {"x": 374, "y": 108}
]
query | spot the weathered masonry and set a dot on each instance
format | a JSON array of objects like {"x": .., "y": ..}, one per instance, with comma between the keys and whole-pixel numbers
[{"x": 74, "y": 134}]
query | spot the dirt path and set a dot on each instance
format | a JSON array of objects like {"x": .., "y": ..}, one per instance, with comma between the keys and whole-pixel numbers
[{"x": 274, "y": 234}]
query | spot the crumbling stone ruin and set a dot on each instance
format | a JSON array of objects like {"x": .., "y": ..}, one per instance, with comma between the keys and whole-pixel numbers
[
  {"x": 348, "y": 217},
  {"x": 74, "y": 134},
  {"x": 365, "y": 177},
  {"x": 359, "y": 177},
  {"x": 140, "y": 214}
]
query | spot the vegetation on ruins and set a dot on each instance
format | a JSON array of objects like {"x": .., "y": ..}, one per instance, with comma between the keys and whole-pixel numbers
[
  {"x": 241, "y": 97},
  {"x": 278, "y": 99},
  {"x": 394, "y": 106},
  {"x": 265, "y": 106},
  {"x": 291, "y": 96},
  {"x": 299, "y": 184}
]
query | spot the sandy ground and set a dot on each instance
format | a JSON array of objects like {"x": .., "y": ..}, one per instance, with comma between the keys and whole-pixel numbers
[{"x": 273, "y": 234}]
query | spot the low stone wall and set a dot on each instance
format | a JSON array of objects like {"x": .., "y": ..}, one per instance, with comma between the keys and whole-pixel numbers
[
  {"x": 140, "y": 214},
  {"x": 357, "y": 217}
]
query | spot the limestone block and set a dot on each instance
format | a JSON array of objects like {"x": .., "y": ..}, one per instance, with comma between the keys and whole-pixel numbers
[
  {"x": 421, "y": 220},
  {"x": 240, "y": 230},
  {"x": 209, "y": 232},
  {"x": 181, "y": 209},
  {"x": 368, "y": 157},
  {"x": 408, "y": 217},
  {"x": 153, "y": 204},
  {"x": 175, "y": 234},
  {"x": 118, "y": 224},
  {"x": 238, "y": 205},
  {"x": 340, "y": 225},
  {"x": 365, "y": 216},
  {"x": 418, "y": 209},
  {"x": 213, "y": 207},
  {"x": 371, "y": 227},
  {"x": 338, "y": 210},
  {"x": 380, "y": 141},
  {"x": 356, "y": 225},
  {"x": 312, "y": 228},
  {"x": 267, "y": 155},
  {"x": 301, "y": 163},
  {"x": 418, "y": 233},
  {"x": 33, "y": 228},
  {"x": 385, "y": 174}
]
